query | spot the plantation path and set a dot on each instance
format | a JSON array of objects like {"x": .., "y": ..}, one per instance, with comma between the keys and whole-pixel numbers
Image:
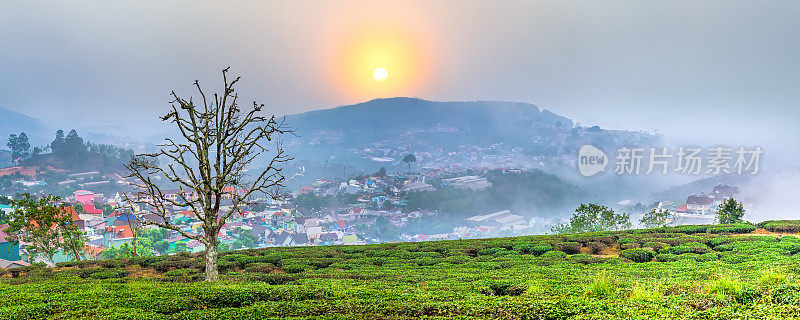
[{"x": 764, "y": 232}]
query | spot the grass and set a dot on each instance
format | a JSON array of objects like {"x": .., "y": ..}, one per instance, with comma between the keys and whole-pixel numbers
[
  {"x": 746, "y": 276},
  {"x": 603, "y": 286},
  {"x": 646, "y": 291}
]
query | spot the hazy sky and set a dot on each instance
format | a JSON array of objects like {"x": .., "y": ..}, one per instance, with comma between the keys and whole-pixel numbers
[{"x": 718, "y": 71}]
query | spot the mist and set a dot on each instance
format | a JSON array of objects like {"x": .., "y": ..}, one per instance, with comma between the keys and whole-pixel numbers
[{"x": 720, "y": 72}]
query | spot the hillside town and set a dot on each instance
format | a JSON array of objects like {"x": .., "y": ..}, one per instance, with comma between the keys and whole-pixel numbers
[
  {"x": 109, "y": 220},
  {"x": 307, "y": 216}
]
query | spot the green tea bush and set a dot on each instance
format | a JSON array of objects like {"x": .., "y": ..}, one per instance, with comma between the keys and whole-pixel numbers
[
  {"x": 178, "y": 256},
  {"x": 786, "y": 293},
  {"x": 720, "y": 240},
  {"x": 707, "y": 257},
  {"x": 145, "y": 262},
  {"x": 489, "y": 251},
  {"x": 457, "y": 259},
  {"x": 541, "y": 249},
  {"x": 523, "y": 248},
  {"x": 608, "y": 240},
  {"x": 554, "y": 255},
  {"x": 632, "y": 245},
  {"x": 733, "y": 228},
  {"x": 597, "y": 247},
  {"x": 583, "y": 239},
  {"x": 626, "y": 240},
  {"x": 109, "y": 274},
  {"x": 656, "y": 246},
  {"x": 666, "y": 257},
  {"x": 725, "y": 247},
  {"x": 690, "y": 247},
  {"x": 638, "y": 255},
  {"x": 788, "y": 226},
  {"x": 112, "y": 263},
  {"x": 689, "y": 229},
  {"x": 583, "y": 258},
  {"x": 503, "y": 253},
  {"x": 182, "y": 273},
  {"x": 295, "y": 267},
  {"x": 569, "y": 247},
  {"x": 503, "y": 288},
  {"x": 425, "y": 262},
  {"x": 167, "y": 265},
  {"x": 688, "y": 256},
  {"x": 260, "y": 267},
  {"x": 789, "y": 246}
]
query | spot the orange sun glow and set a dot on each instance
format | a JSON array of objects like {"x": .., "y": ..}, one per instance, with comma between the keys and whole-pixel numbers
[{"x": 379, "y": 62}]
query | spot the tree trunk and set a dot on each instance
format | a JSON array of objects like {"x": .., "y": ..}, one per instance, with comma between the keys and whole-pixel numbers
[
  {"x": 212, "y": 259},
  {"x": 134, "y": 239},
  {"x": 76, "y": 253}
]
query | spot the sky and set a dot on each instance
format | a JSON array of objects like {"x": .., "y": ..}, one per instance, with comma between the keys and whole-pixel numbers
[{"x": 710, "y": 72}]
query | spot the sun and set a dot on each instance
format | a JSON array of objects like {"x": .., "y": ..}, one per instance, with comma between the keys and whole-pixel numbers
[{"x": 380, "y": 74}]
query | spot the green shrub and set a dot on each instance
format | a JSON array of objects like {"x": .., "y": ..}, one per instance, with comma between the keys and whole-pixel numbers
[
  {"x": 789, "y": 246},
  {"x": 788, "y": 226},
  {"x": 597, "y": 247},
  {"x": 717, "y": 241},
  {"x": 707, "y": 257},
  {"x": 541, "y": 249},
  {"x": 725, "y": 247},
  {"x": 656, "y": 246},
  {"x": 554, "y": 255},
  {"x": 489, "y": 251},
  {"x": 607, "y": 240},
  {"x": 503, "y": 288},
  {"x": 425, "y": 262},
  {"x": 577, "y": 238},
  {"x": 632, "y": 245},
  {"x": 666, "y": 257},
  {"x": 786, "y": 293},
  {"x": 295, "y": 267},
  {"x": 688, "y": 256},
  {"x": 691, "y": 247},
  {"x": 109, "y": 274},
  {"x": 523, "y": 248},
  {"x": 583, "y": 258},
  {"x": 261, "y": 268},
  {"x": 638, "y": 255},
  {"x": 182, "y": 273},
  {"x": 167, "y": 265},
  {"x": 145, "y": 262},
  {"x": 457, "y": 259},
  {"x": 569, "y": 247},
  {"x": 690, "y": 229},
  {"x": 625, "y": 240},
  {"x": 502, "y": 253},
  {"x": 733, "y": 228},
  {"x": 112, "y": 263}
]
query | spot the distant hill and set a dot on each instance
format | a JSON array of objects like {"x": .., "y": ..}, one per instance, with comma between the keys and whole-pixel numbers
[
  {"x": 411, "y": 113},
  {"x": 15, "y": 122},
  {"x": 418, "y": 125}
]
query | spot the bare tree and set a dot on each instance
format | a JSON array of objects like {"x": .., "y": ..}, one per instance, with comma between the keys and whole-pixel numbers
[{"x": 218, "y": 142}]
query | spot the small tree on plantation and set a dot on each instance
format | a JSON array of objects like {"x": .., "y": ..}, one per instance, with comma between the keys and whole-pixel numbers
[
  {"x": 409, "y": 159},
  {"x": 20, "y": 147},
  {"x": 655, "y": 218},
  {"x": 593, "y": 217},
  {"x": 217, "y": 142},
  {"x": 45, "y": 227},
  {"x": 730, "y": 211}
]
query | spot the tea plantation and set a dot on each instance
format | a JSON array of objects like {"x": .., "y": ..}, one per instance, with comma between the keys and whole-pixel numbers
[{"x": 690, "y": 272}]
